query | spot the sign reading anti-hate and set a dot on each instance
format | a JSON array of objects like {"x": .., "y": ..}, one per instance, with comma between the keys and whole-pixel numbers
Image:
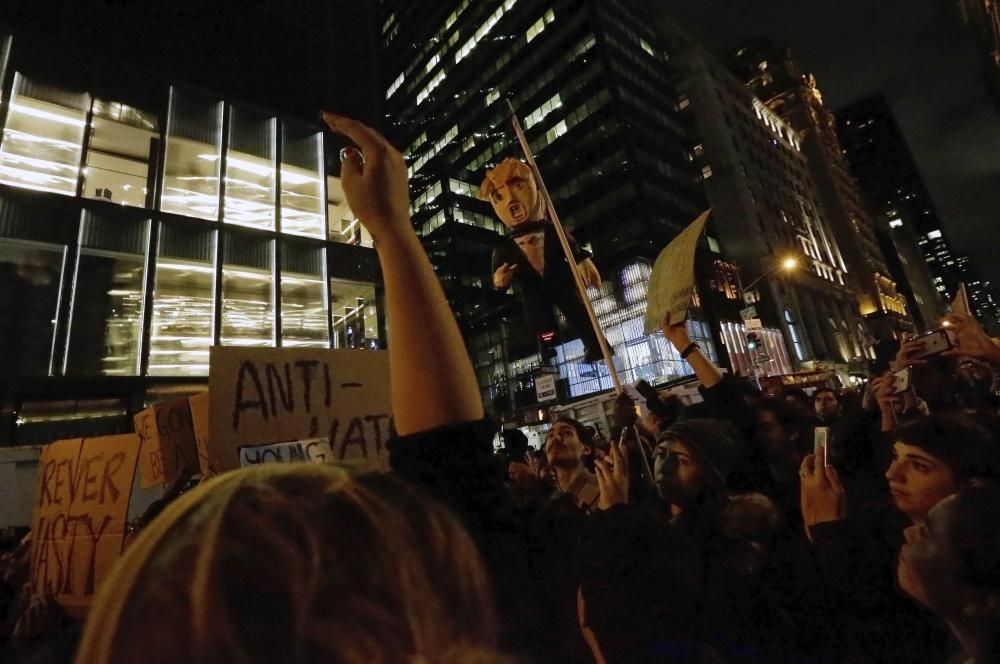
[
  {"x": 168, "y": 442},
  {"x": 263, "y": 396},
  {"x": 78, "y": 530}
]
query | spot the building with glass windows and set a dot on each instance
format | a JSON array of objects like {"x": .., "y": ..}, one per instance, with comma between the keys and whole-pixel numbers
[
  {"x": 143, "y": 221},
  {"x": 766, "y": 211},
  {"x": 777, "y": 79},
  {"x": 588, "y": 82}
]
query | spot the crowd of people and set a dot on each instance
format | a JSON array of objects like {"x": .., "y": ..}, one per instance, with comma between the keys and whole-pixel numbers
[{"x": 833, "y": 527}]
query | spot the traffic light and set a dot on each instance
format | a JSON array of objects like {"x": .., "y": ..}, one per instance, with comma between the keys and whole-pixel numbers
[{"x": 754, "y": 342}]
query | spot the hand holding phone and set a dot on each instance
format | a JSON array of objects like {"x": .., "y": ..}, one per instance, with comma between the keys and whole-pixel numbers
[
  {"x": 821, "y": 440},
  {"x": 934, "y": 343}
]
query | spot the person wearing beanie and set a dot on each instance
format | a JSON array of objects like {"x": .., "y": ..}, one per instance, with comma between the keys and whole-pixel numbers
[{"x": 694, "y": 458}]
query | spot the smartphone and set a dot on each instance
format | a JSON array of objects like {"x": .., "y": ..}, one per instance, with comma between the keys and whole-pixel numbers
[
  {"x": 821, "y": 438},
  {"x": 934, "y": 343},
  {"x": 901, "y": 380}
]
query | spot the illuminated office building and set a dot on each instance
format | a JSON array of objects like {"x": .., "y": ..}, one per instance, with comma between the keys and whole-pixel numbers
[
  {"x": 983, "y": 18},
  {"x": 141, "y": 223},
  {"x": 881, "y": 163},
  {"x": 588, "y": 81}
]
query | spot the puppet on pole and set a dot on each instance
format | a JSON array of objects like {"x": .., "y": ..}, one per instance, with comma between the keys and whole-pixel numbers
[{"x": 546, "y": 264}]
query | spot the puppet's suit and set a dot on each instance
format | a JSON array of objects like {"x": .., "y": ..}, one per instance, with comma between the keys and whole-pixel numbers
[{"x": 535, "y": 244}]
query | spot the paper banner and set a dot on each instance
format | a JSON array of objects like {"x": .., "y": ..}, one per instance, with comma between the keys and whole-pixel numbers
[
  {"x": 78, "y": 529},
  {"x": 262, "y": 396},
  {"x": 672, "y": 281}
]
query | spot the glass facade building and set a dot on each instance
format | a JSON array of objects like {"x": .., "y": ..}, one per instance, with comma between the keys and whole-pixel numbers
[{"x": 143, "y": 222}]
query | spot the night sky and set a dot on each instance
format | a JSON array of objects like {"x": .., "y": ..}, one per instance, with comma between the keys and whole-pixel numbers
[{"x": 922, "y": 58}]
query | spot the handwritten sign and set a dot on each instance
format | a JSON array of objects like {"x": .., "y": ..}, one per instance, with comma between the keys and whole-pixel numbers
[
  {"x": 168, "y": 442},
  {"x": 311, "y": 451},
  {"x": 199, "y": 405},
  {"x": 262, "y": 396},
  {"x": 672, "y": 281},
  {"x": 84, "y": 488}
]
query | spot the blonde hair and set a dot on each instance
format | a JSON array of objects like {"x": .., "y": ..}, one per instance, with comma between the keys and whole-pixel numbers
[
  {"x": 501, "y": 173},
  {"x": 296, "y": 563}
]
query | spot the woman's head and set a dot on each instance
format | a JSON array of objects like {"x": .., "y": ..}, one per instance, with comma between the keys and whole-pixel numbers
[
  {"x": 295, "y": 563},
  {"x": 932, "y": 457},
  {"x": 780, "y": 428},
  {"x": 951, "y": 563}
]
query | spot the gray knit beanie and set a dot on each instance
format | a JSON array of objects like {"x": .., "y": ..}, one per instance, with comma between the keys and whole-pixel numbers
[{"x": 717, "y": 442}]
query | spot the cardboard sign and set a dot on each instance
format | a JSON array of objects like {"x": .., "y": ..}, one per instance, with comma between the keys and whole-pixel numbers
[
  {"x": 545, "y": 387},
  {"x": 310, "y": 451},
  {"x": 199, "y": 405},
  {"x": 672, "y": 282},
  {"x": 262, "y": 396},
  {"x": 168, "y": 442},
  {"x": 78, "y": 529},
  {"x": 961, "y": 303}
]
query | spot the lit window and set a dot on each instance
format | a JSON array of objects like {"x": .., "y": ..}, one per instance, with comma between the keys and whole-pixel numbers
[
  {"x": 895, "y": 223},
  {"x": 426, "y": 92},
  {"x": 250, "y": 171},
  {"x": 193, "y": 159},
  {"x": 43, "y": 138},
  {"x": 355, "y": 316},
  {"x": 395, "y": 85},
  {"x": 118, "y": 157},
  {"x": 483, "y": 30},
  {"x": 934, "y": 235},
  {"x": 646, "y": 47},
  {"x": 303, "y": 297},
  {"x": 302, "y": 198},
  {"x": 683, "y": 102},
  {"x": 433, "y": 61},
  {"x": 247, "y": 291},
  {"x": 706, "y": 171},
  {"x": 539, "y": 114}
]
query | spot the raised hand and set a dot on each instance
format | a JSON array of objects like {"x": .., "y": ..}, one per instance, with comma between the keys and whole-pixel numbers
[
  {"x": 612, "y": 478},
  {"x": 971, "y": 340},
  {"x": 374, "y": 179},
  {"x": 821, "y": 493}
]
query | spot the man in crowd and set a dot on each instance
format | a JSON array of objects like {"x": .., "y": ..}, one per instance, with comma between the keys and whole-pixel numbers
[
  {"x": 827, "y": 405},
  {"x": 566, "y": 445}
]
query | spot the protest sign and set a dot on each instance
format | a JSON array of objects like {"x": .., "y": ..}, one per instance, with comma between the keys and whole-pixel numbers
[
  {"x": 168, "y": 442},
  {"x": 78, "y": 529},
  {"x": 262, "y": 396},
  {"x": 672, "y": 281},
  {"x": 312, "y": 451},
  {"x": 961, "y": 303},
  {"x": 199, "y": 405}
]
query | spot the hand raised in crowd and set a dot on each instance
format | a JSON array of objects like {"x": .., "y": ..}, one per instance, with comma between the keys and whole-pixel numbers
[
  {"x": 885, "y": 393},
  {"x": 612, "y": 478},
  {"x": 971, "y": 340},
  {"x": 821, "y": 493},
  {"x": 908, "y": 352},
  {"x": 374, "y": 179},
  {"x": 589, "y": 273},
  {"x": 677, "y": 335},
  {"x": 624, "y": 413},
  {"x": 523, "y": 473},
  {"x": 504, "y": 276}
]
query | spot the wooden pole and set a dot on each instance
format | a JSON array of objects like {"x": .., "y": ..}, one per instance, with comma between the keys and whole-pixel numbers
[{"x": 564, "y": 241}]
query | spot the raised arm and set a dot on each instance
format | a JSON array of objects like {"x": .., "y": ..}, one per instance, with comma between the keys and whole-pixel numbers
[{"x": 433, "y": 384}]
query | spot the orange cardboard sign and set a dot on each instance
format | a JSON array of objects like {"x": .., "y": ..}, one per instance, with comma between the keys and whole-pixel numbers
[
  {"x": 168, "y": 442},
  {"x": 199, "y": 405},
  {"x": 262, "y": 396},
  {"x": 78, "y": 529}
]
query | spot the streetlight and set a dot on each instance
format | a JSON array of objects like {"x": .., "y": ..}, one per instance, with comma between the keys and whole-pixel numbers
[{"x": 787, "y": 265}]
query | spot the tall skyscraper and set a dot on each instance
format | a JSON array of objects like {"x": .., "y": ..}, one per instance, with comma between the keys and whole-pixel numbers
[
  {"x": 589, "y": 82},
  {"x": 883, "y": 166},
  {"x": 765, "y": 209},
  {"x": 778, "y": 80},
  {"x": 983, "y": 17}
]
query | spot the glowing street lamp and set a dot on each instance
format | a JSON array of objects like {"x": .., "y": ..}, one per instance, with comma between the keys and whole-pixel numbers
[{"x": 788, "y": 264}]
